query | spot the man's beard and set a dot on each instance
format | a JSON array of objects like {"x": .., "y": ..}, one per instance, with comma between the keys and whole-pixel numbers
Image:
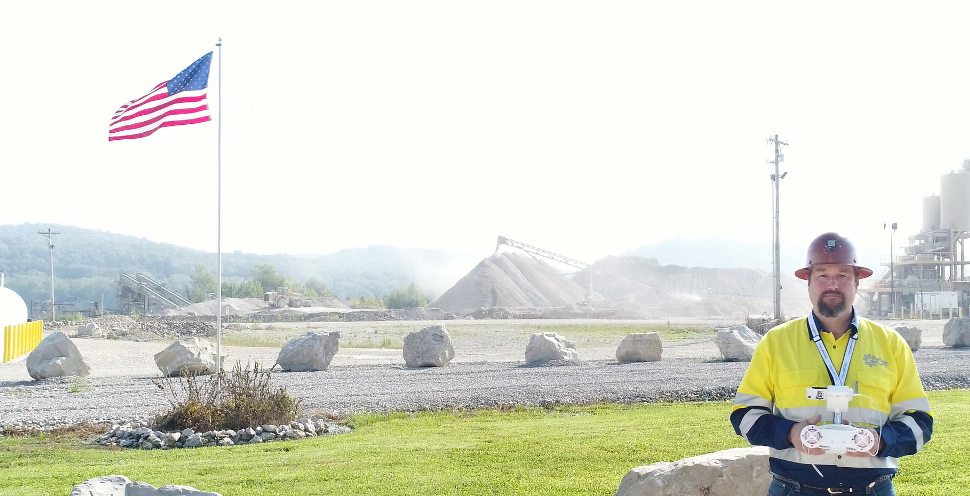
[{"x": 831, "y": 310}]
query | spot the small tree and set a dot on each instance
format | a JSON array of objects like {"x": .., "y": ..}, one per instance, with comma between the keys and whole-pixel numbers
[
  {"x": 406, "y": 298},
  {"x": 250, "y": 289},
  {"x": 267, "y": 277},
  {"x": 203, "y": 283},
  {"x": 317, "y": 288}
]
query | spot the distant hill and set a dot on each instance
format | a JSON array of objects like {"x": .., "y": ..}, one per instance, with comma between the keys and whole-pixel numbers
[
  {"x": 87, "y": 264},
  {"x": 709, "y": 252},
  {"x": 732, "y": 254}
]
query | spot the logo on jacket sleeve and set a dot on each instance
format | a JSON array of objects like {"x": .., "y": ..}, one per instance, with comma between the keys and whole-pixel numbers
[{"x": 874, "y": 361}]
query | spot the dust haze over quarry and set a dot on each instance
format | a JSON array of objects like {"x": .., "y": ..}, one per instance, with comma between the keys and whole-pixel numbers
[{"x": 628, "y": 286}]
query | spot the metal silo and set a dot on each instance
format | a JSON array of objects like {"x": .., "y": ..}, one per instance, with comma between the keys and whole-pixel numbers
[
  {"x": 955, "y": 200},
  {"x": 931, "y": 213}
]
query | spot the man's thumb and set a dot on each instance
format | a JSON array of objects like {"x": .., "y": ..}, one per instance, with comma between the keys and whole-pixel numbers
[{"x": 814, "y": 420}]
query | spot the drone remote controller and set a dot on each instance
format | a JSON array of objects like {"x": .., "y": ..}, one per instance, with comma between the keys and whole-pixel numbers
[{"x": 836, "y": 438}]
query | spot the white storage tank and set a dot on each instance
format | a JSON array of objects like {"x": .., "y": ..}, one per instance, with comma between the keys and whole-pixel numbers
[
  {"x": 931, "y": 213},
  {"x": 955, "y": 200},
  {"x": 13, "y": 310}
]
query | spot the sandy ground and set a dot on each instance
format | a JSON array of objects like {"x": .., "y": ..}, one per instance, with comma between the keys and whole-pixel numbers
[{"x": 474, "y": 341}]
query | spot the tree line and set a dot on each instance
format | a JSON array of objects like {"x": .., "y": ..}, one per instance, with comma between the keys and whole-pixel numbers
[{"x": 88, "y": 263}]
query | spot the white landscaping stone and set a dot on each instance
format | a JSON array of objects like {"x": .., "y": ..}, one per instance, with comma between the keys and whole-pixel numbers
[
  {"x": 119, "y": 485},
  {"x": 550, "y": 346},
  {"x": 56, "y": 356},
  {"x": 912, "y": 335},
  {"x": 310, "y": 352},
  {"x": 193, "y": 355},
  {"x": 640, "y": 347},
  {"x": 175, "y": 490},
  {"x": 732, "y": 472},
  {"x": 109, "y": 485},
  {"x": 89, "y": 330},
  {"x": 956, "y": 333},
  {"x": 736, "y": 343},
  {"x": 429, "y": 347}
]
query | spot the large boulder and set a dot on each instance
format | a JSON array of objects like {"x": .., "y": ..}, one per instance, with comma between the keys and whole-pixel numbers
[
  {"x": 912, "y": 335},
  {"x": 732, "y": 472},
  {"x": 549, "y": 347},
  {"x": 639, "y": 347},
  {"x": 119, "y": 485},
  {"x": 736, "y": 343},
  {"x": 956, "y": 333},
  {"x": 195, "y": 356},
  {"x": 429, "y": 347},
  {"x": 56, "y": 356},
  {"x": 89, "y": 330},
  {"x": 309, "y": 352}
]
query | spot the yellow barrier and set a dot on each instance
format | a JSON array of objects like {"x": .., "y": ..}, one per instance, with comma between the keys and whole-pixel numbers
[{"x": 20, "y": 339}]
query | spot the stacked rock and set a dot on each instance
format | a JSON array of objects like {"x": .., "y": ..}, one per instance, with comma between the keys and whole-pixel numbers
[{"x": 139, "y": 435}]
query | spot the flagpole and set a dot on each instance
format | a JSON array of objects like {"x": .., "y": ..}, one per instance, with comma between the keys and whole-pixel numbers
[{"x": 219, "y": 215}]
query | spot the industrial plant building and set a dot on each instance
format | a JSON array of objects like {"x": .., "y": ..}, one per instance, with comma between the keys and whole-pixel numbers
[{"x": 928, "y": 279}]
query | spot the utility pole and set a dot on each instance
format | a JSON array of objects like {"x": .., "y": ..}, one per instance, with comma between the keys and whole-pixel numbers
[
  {"x": 50, "y": 244},
  {"x": 776, "y": 260}
]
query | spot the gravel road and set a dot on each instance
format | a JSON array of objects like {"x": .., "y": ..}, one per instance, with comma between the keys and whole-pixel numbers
[{"x": 488, "y": 371}]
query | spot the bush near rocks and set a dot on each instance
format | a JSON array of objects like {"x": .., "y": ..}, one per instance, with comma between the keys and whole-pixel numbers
[{"x": 235, "y": 400}]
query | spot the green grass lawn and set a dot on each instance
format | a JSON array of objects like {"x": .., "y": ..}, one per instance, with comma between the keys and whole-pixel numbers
[{"x": 566, "y": 451}]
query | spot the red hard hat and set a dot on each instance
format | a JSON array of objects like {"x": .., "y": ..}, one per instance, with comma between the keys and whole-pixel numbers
[{"x": 830, "y": 248}]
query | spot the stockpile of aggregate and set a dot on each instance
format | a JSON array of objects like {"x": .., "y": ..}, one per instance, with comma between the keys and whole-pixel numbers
[
  {"x": 629, "y": 286},
  {"x": 230, "y": 306},
  {"x": 510, "y": 280},
  {"x": 671, "y": 290}
]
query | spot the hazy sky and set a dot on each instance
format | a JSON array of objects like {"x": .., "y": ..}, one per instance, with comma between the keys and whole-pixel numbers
[{"x": 586, "y": 128}]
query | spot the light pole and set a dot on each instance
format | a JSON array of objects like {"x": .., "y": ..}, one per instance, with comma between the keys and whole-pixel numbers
[{"x": 892, "y": 271}]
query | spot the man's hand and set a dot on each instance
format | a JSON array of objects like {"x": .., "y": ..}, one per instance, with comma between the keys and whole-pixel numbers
[
  {"x": 876, "y": 446},
  {"x": 795, "y": 436}
]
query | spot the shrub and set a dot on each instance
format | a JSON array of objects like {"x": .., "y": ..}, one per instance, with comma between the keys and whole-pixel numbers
[
  {"x": 235, "y": 400},
  {"x": 410, "y": 297}
]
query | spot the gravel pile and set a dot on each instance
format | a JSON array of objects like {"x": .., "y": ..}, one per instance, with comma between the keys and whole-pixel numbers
[
  {"x": 143, "y": 328},
  {"x": 466, "y": 385}
]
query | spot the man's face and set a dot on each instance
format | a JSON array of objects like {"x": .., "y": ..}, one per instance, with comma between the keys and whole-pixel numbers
[{"x": 832, "y": 289}]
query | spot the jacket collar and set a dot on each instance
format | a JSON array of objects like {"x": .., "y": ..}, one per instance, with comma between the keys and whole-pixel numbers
[{"x": 853, "y": 323}]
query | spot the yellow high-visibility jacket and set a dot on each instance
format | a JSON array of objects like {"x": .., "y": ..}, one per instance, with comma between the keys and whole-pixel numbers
[{"x": 772, "y": 398}]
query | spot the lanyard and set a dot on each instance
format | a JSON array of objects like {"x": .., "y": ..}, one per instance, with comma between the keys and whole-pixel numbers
[{"x": 838, "y": 380}]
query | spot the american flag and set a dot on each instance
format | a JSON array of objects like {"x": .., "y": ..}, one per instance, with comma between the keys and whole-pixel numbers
[{"x": 176, "y": 102}]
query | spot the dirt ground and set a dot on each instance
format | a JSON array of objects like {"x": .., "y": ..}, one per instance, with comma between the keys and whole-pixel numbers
[{"x": 378, "y": 343}]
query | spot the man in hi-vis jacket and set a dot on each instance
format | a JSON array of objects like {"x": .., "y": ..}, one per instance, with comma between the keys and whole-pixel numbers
[{"x": 801, "y": 364}]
